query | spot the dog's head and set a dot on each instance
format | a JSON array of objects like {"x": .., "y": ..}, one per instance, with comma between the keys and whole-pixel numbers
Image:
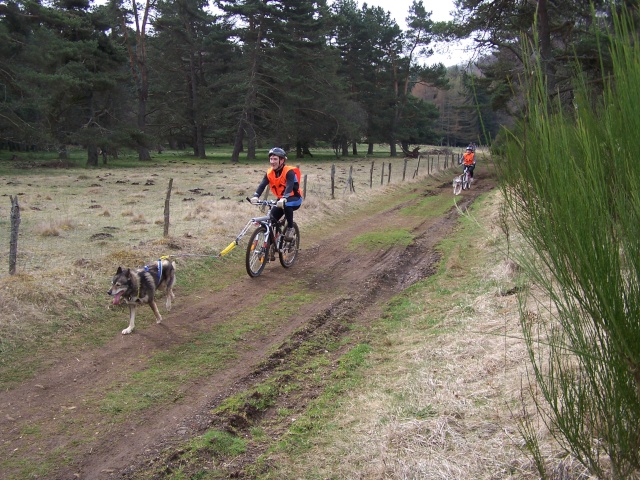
[{"x": 120, "y": 284}]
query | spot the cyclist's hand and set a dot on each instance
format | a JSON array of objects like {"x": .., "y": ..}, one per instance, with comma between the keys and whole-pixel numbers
[
  {"x": 254, "y": 200},
  {"x": 281, "y": 203}
]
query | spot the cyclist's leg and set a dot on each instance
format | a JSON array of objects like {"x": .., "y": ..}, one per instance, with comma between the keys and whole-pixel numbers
[
  {"x": 276, "y": 214},
  {"x": 290, "y": 207}
]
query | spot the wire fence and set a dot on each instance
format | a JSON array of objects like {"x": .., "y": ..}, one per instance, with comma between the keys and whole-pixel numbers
[{"x": 72, "y": 219}]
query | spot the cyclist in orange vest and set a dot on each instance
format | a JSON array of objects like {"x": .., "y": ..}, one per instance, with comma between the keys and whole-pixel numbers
[
  {"x": 285, "y": 185},
  {"x": 469, "y": 160}
]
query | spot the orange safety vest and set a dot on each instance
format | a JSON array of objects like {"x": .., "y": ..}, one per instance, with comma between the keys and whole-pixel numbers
[
  {"x": 468, "y": 158},
  {"x": 279, "y": 184}
]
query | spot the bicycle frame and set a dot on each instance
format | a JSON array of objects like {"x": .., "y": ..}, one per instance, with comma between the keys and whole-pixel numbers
[{"x": 265, "y": 221}]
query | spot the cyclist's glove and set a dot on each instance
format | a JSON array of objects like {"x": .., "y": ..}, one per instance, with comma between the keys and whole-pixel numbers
[
  {"x": 255, "y": 199},
  {"x": 281, "y": 203}
]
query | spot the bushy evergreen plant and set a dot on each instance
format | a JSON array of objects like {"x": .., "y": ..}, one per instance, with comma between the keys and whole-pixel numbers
[{"x": 571, "y": 180}]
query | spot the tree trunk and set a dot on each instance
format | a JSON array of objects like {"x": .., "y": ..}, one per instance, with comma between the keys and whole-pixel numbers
[
  {"x": 354, "y": 150},
  {"x": 392, "y": 147},
  {"x": 251, "y": 137},
  {"x": 198, "y": 129},
  {"x": 62, "y": 153},
  {"x": 370, "y": 149},
  {"x": 137, "y": 51},
  {"x": 92, "y": 155},
  {"x": 544, "y": 36},
  {"x": 237, "y": 144},
  {"x": 143, "y": 150}
]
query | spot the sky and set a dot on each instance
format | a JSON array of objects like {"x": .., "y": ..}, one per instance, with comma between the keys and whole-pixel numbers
[{"x": 440, "y": 11}]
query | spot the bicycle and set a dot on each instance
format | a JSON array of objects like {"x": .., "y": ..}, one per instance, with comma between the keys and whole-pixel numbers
[
  {"x": 266, "y": 240},
  {"x": 462, "y": 182}
]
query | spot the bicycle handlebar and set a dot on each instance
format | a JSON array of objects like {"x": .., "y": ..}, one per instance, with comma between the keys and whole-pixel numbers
[{"x": 269, "y": 203}]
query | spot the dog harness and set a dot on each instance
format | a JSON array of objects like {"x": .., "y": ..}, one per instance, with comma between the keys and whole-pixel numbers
[{"x": 146, "y": 269}]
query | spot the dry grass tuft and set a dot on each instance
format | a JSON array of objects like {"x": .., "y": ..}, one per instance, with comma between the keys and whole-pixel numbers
[
  {"x": 139, "y": 219},
  {"x": 53, "y": 228}
]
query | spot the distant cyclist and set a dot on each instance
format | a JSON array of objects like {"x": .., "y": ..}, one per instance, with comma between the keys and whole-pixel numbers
[
  {"x": 469, "y": 160},
  {"x": 285, "y": 185}
]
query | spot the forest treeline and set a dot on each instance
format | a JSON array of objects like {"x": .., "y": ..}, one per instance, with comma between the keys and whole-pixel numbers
[{"x": 296, "y": 73}]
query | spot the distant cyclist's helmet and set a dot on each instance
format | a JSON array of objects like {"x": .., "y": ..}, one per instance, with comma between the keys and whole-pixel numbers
[
  {"x": 470, "y": 148},
  {"x": 278, "y": 151}
]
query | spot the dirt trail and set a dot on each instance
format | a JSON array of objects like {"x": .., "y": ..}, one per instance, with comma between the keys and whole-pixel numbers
[{"x": 62, "y": 400}]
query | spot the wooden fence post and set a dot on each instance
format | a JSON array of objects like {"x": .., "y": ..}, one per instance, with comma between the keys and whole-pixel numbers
[
  {"x": 415, "y": 174},
  {"x": 404, "y": 169},
  {"x": 389, "y": 178},
  {"x": 13, "y": 242},
  {"x": 302, "y": 184},
  {"x": 350, "y": 181},
  {"x": 382, "y": 175},
  {"x": 166, "y": 208},
  {"x": 371, "y": 175},
  {"x": 333, "y": 181}
]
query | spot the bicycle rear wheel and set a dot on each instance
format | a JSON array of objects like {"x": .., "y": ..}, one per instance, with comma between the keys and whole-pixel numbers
[
  {"x": 257, "y": 251},
  {"x": 457, "y": 185},
  {"x": 289, "y": 251}
]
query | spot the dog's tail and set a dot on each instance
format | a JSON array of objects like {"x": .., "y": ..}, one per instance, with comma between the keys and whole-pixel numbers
[
  {"x": 167, "y": 271},
  {"x": 169, "y": 276},
  {"x": 172, "y": 276}
]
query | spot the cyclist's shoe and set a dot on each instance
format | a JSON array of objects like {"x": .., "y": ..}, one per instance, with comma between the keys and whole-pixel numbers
[{"x": 289, "y": 234}]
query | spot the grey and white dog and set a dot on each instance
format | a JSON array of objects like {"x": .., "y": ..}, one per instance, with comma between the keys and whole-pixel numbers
[{"x": 138, "y": 286}]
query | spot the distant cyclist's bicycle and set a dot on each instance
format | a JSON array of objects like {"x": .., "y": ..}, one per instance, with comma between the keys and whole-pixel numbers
[
  {"x": 462, "y": 182},
  {"x": 267, "y": 239}
]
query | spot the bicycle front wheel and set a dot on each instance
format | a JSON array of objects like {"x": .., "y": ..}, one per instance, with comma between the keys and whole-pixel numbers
[
  {"x": 257, "y": 251},
  {"x": 289, "y": 251},
  {"x": 465, "y": 181},
  {"x": 457, "y": 185}
]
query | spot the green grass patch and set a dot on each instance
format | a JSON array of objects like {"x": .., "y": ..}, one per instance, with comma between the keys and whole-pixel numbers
[
  {"x": 381, "y": 239},
  {"x": 431, "y": 205},
  {"x": 220, "y": 444},
  {"x": 29, "y": 468}
]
